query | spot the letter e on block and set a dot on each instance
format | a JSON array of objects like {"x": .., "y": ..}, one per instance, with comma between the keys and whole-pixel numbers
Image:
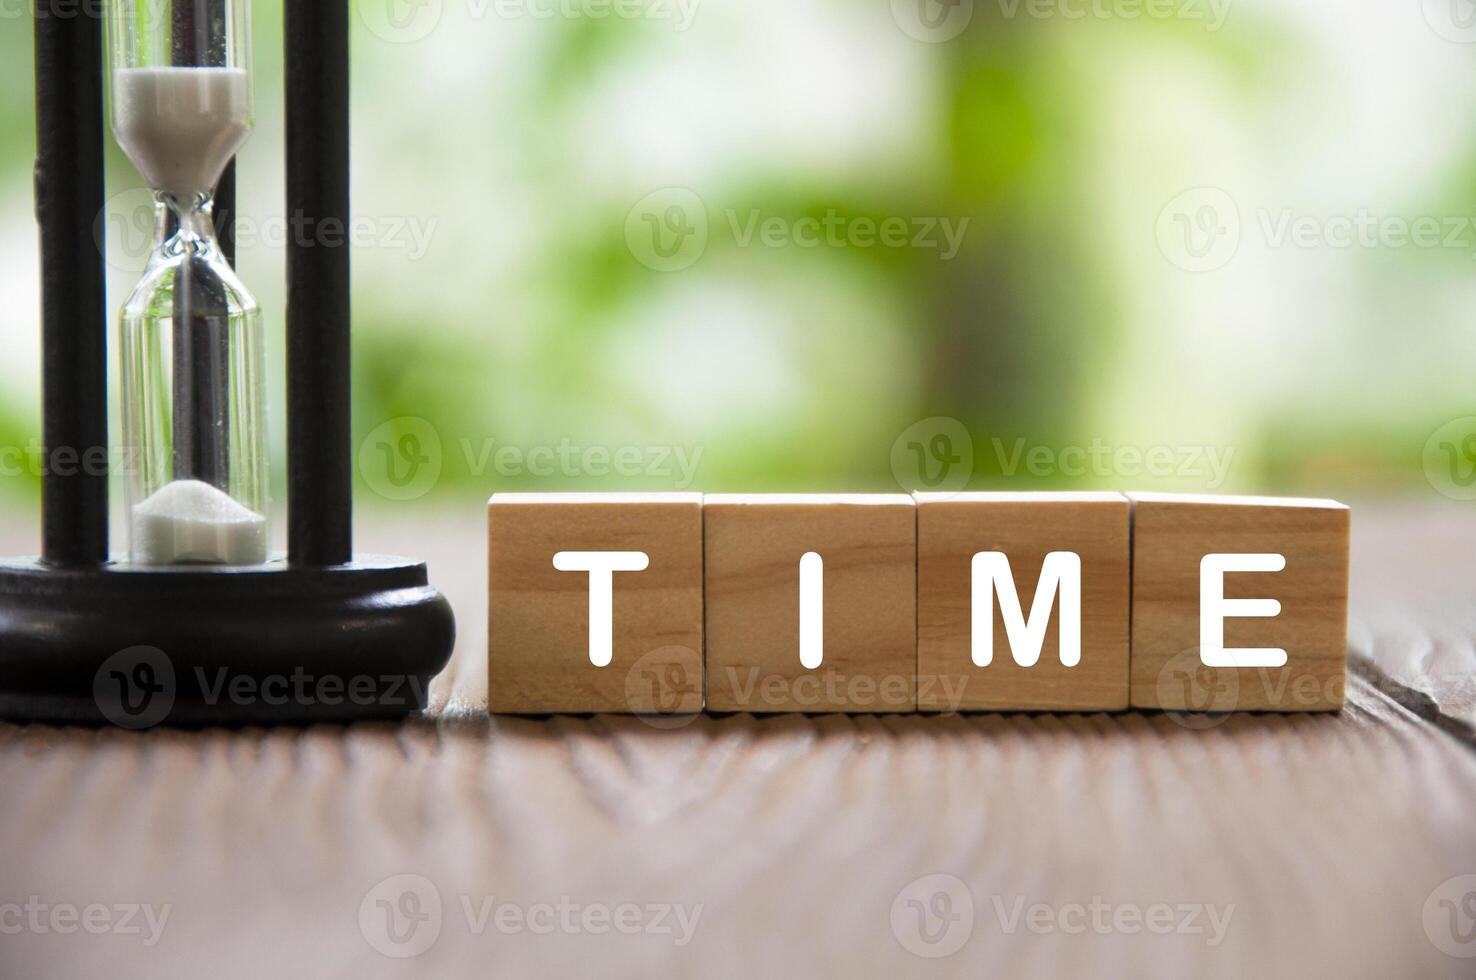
[
  {"x": 1239, "y": 603},
  {"x": 594, "y": 603}
]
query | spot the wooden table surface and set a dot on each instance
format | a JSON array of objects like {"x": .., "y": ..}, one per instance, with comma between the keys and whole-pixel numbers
[{"x": 1029, "y": 845}]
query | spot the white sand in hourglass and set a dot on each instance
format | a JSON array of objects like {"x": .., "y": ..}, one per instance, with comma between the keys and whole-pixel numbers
[
  {"x": 181, "y": 126},
  {"x": 191, "y": 521}
]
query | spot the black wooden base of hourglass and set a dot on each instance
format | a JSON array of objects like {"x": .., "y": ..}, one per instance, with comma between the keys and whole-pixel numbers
[{"x": 139, "y": 647}]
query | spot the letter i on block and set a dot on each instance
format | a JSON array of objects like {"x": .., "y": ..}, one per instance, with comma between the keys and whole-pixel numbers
[
  {"x": 811, "y": 603},
  {"x": 1022, "y": 602},
  {"x": 1239, "y": 603},
  {"x": 594, "y": 603}
]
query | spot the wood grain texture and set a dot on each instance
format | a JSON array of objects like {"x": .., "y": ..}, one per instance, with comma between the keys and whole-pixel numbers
[
  {"x": 952, "y": 528},
  {"x": 1328, "y": 832},
  {"x": 753, "y": 547},
  {"x": 1171, "y": 534},
  {"x": 1411, "y": 613},
  {"x": 538, "y": 645}
]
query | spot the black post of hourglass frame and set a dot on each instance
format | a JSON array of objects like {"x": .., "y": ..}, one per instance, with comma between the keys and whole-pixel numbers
[
  {"x": 89, "y": 639},
  {"x": 201, "y": 343}
]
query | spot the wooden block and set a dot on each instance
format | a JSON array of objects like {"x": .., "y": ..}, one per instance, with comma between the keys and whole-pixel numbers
[
  {"x": 542, "y": 656},
  {"x": 1030, "y": 673},
  {"x": 867, "y": 548},
  {"x": 1172, "y": 535}
]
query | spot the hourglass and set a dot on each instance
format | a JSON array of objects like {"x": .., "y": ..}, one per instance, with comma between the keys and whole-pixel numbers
[
  {"x": 198, "y": 624},
  {"x": 190, "y": 343}
]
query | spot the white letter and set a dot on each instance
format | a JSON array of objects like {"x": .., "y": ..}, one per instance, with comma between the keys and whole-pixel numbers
[
  {"x": 1218, "y": 925},
  {"x": 601, "y": 566},
  {"x": 812, "y": 610},
  {"x": 1214, "y": 608},
  {"x": 158, "y": 919},
  {"x": 688, "y": 923},
  {"x": 1061, "y": 571}
]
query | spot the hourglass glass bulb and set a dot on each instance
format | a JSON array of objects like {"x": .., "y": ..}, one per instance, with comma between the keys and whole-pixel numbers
[
  {"x": 181, "y": 125},
  {"x": 191, "y": 348},
  {"x": 181, "y": 89}
]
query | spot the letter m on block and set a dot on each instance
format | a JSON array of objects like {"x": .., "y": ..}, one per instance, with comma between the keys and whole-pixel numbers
[{"x": 1060, "y": 575}]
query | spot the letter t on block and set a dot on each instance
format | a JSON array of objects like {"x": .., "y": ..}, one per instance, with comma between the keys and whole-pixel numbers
[
  {"x": 1239, "y": 603},
  {"x": 594, "y": 603},
  {"x": 601, "y": 566}
]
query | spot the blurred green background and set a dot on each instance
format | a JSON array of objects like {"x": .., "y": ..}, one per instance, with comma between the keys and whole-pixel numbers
[{"x": 864, "y": 244}]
